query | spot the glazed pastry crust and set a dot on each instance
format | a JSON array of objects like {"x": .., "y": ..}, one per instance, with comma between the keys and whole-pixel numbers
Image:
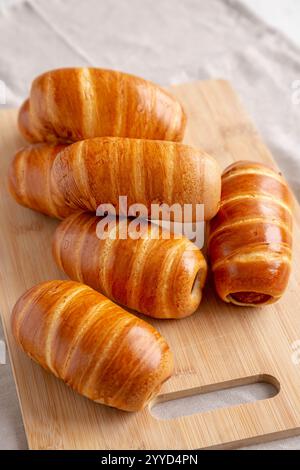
[
  {"x": 250, "y": 239},
  {"x": 93, "y": 345},
  {"x": 72, "y": 104},
  {"x": 98, "y": 171},
  {"x": 156, "y": 274},
  {"x": 30, "y": 183}
]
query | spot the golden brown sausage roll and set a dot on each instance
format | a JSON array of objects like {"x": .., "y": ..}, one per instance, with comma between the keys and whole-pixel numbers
[
  {"x": 93, "y": 345},
  {"x": 29, "y": 180},
  {"x": 250, "y": 238},
  {"x": 99, "y": 171},
  {"x": 160, "y": 277},
  {"x": 72, "y": 104}
]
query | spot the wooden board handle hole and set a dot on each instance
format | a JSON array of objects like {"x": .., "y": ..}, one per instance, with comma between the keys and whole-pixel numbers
[{"x": 211, "y": 397}]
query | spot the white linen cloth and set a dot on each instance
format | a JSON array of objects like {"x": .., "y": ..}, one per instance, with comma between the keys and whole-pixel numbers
[{"x": 168, "y": 41}]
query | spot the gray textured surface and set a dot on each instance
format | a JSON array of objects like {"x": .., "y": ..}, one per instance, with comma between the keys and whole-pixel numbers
[{"x": 168, "y": 42}]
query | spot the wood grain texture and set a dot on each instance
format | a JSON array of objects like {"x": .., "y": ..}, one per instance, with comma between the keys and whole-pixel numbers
[
  {"x": 92, "y": 344},
  {"x": 155, "y": 274},
  {"x": 250, "y": 239},
  {"x": 78, "y": 103},
  {"x": 99, "y": 171},
  {"x": 221, "y": 345}
]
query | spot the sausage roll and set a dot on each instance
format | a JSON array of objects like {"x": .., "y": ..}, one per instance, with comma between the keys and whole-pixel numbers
[
  {"x": 250, "y": 238},
  {"x": 93, "y": 345},
  {"x": 154, "y": 273}
]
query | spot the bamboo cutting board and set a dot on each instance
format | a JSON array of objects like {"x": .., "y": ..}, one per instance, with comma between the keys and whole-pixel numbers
[{"x": 218, "y": 347}]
